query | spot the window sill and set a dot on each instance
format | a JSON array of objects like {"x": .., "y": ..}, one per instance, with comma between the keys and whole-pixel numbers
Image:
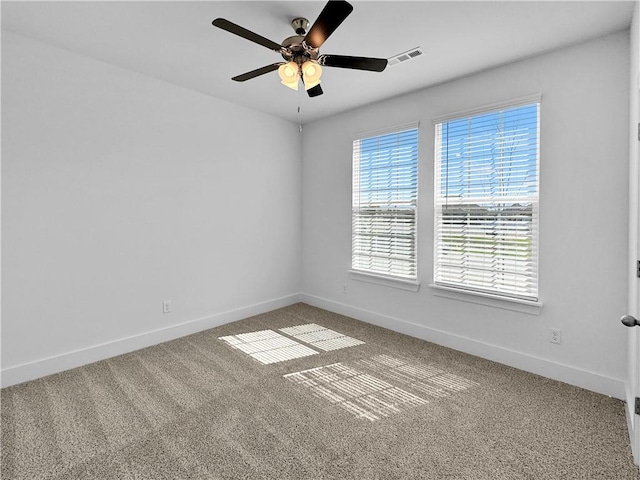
[
  {"x": 387, "y": 281},
  {"x": 496, "y": 301}
]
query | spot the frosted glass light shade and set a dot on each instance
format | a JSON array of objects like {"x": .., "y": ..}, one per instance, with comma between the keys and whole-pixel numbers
[
  {"x": 289, "y": 74},
  {"x": 311, "y": 72}
]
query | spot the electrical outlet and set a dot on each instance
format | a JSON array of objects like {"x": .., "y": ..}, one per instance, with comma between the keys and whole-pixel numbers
[
  {"x": 166, "y": 306},
  {"x": 555, "y": 335},
  {"x": 344, "y": 288}
]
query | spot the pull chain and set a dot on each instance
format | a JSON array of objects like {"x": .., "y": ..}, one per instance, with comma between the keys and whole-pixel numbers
[{"x": 299, "y": 115}]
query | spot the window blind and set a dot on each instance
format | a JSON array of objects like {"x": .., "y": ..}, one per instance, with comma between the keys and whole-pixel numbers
[
  {"x": 385, "y": 179},
  {"x": 486, "y": 202}
]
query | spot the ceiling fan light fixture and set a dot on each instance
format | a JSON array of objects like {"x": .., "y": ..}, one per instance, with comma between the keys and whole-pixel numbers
[
  {"x": 289, "y": 74},
  {"x": 301, "y": 52},
  {"x": 311, "y": 72}
]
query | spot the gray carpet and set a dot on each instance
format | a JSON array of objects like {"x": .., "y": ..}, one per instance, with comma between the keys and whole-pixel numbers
[{"x": 393, "y": 407}]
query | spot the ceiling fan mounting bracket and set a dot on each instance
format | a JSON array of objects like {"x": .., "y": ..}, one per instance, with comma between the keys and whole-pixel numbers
[{"x": 300, "y": 25}]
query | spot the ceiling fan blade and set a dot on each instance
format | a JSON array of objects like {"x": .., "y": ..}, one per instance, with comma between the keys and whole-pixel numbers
[
  {"x": 244, "y": 33},
  {"x": 257, "y": 72},
  {"x": 330, "y": 18},
  {"x": 315, "y": 91},
  {"x": 357, "y": 63}
]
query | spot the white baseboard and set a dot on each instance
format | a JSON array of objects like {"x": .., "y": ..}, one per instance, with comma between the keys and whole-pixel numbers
[
  {"x": 595, "y": 382},
  {"x": 58, "y": 363},
  {"x": 575, "y": 376}
]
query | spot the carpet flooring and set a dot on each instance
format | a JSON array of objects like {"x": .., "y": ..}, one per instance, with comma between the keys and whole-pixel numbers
[{"x": 302, "y": 393}]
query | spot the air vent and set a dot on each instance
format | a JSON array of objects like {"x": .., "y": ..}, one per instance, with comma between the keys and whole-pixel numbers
[{"x": 405, "y": 56}]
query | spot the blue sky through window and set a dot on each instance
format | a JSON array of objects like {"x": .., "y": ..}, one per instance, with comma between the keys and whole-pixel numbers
[
  {"x": 388, "y": 170},
  {"x": 490, "y": 155}
]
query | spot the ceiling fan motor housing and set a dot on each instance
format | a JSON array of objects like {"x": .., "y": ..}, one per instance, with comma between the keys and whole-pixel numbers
[{"x": 296, "y": 51}]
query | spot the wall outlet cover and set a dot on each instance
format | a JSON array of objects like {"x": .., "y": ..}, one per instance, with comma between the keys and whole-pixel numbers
[{"x": 166, "y": 306}]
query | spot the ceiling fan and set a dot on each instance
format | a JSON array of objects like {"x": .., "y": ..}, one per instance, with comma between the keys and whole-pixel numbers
[{"x": 301, "y": 51}]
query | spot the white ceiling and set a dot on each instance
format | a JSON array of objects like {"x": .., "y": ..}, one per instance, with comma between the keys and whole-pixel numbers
[{"x": 175, "y": 42}]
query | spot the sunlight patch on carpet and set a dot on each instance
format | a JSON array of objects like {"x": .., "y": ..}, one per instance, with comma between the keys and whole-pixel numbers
[
  {"x": 423, "y": 378},
  {"x": 321, "y": 337},
  {"x": 268, "y": 346},
  {"x": 359, "y": 393}
]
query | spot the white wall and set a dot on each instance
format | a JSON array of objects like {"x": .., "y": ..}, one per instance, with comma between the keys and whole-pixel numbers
[
  {"x": 121, "y": 191},
  {"x": 583, "y": 218}
]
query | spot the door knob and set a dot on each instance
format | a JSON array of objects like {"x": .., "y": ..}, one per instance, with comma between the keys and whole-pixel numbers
[{"x": 629, "y": 321}]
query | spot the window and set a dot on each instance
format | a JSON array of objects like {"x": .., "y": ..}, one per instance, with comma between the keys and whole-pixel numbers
[
  {"x": 486, "y": 201},
  {"x": 385, "y": 178}
]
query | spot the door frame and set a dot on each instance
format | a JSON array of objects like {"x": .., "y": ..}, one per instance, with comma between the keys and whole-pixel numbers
[{"x": 633, "y": 366}]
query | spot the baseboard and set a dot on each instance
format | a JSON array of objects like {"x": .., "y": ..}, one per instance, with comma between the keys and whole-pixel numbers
[
  {"x": 582, "y": 378},
  {"x": 59, "y": 363},
  {"x": 592, "y": 381}
]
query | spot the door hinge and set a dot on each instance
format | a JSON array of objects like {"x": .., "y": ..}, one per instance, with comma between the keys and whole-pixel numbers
[
  {"x": 637, "y": 405},
  {"x": 639, "y": 132},
  {"x": 638, "y": 269}
]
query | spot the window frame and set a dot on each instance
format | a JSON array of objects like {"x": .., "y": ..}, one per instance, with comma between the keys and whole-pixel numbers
[
  {"x": 376, "y": 277},
  {"x": 488, "y": 297}
]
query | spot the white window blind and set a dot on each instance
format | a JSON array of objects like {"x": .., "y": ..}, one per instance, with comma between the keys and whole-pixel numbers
[
  {"x": 385, "y": 178},
  {"x": 486, "y": 202}
]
